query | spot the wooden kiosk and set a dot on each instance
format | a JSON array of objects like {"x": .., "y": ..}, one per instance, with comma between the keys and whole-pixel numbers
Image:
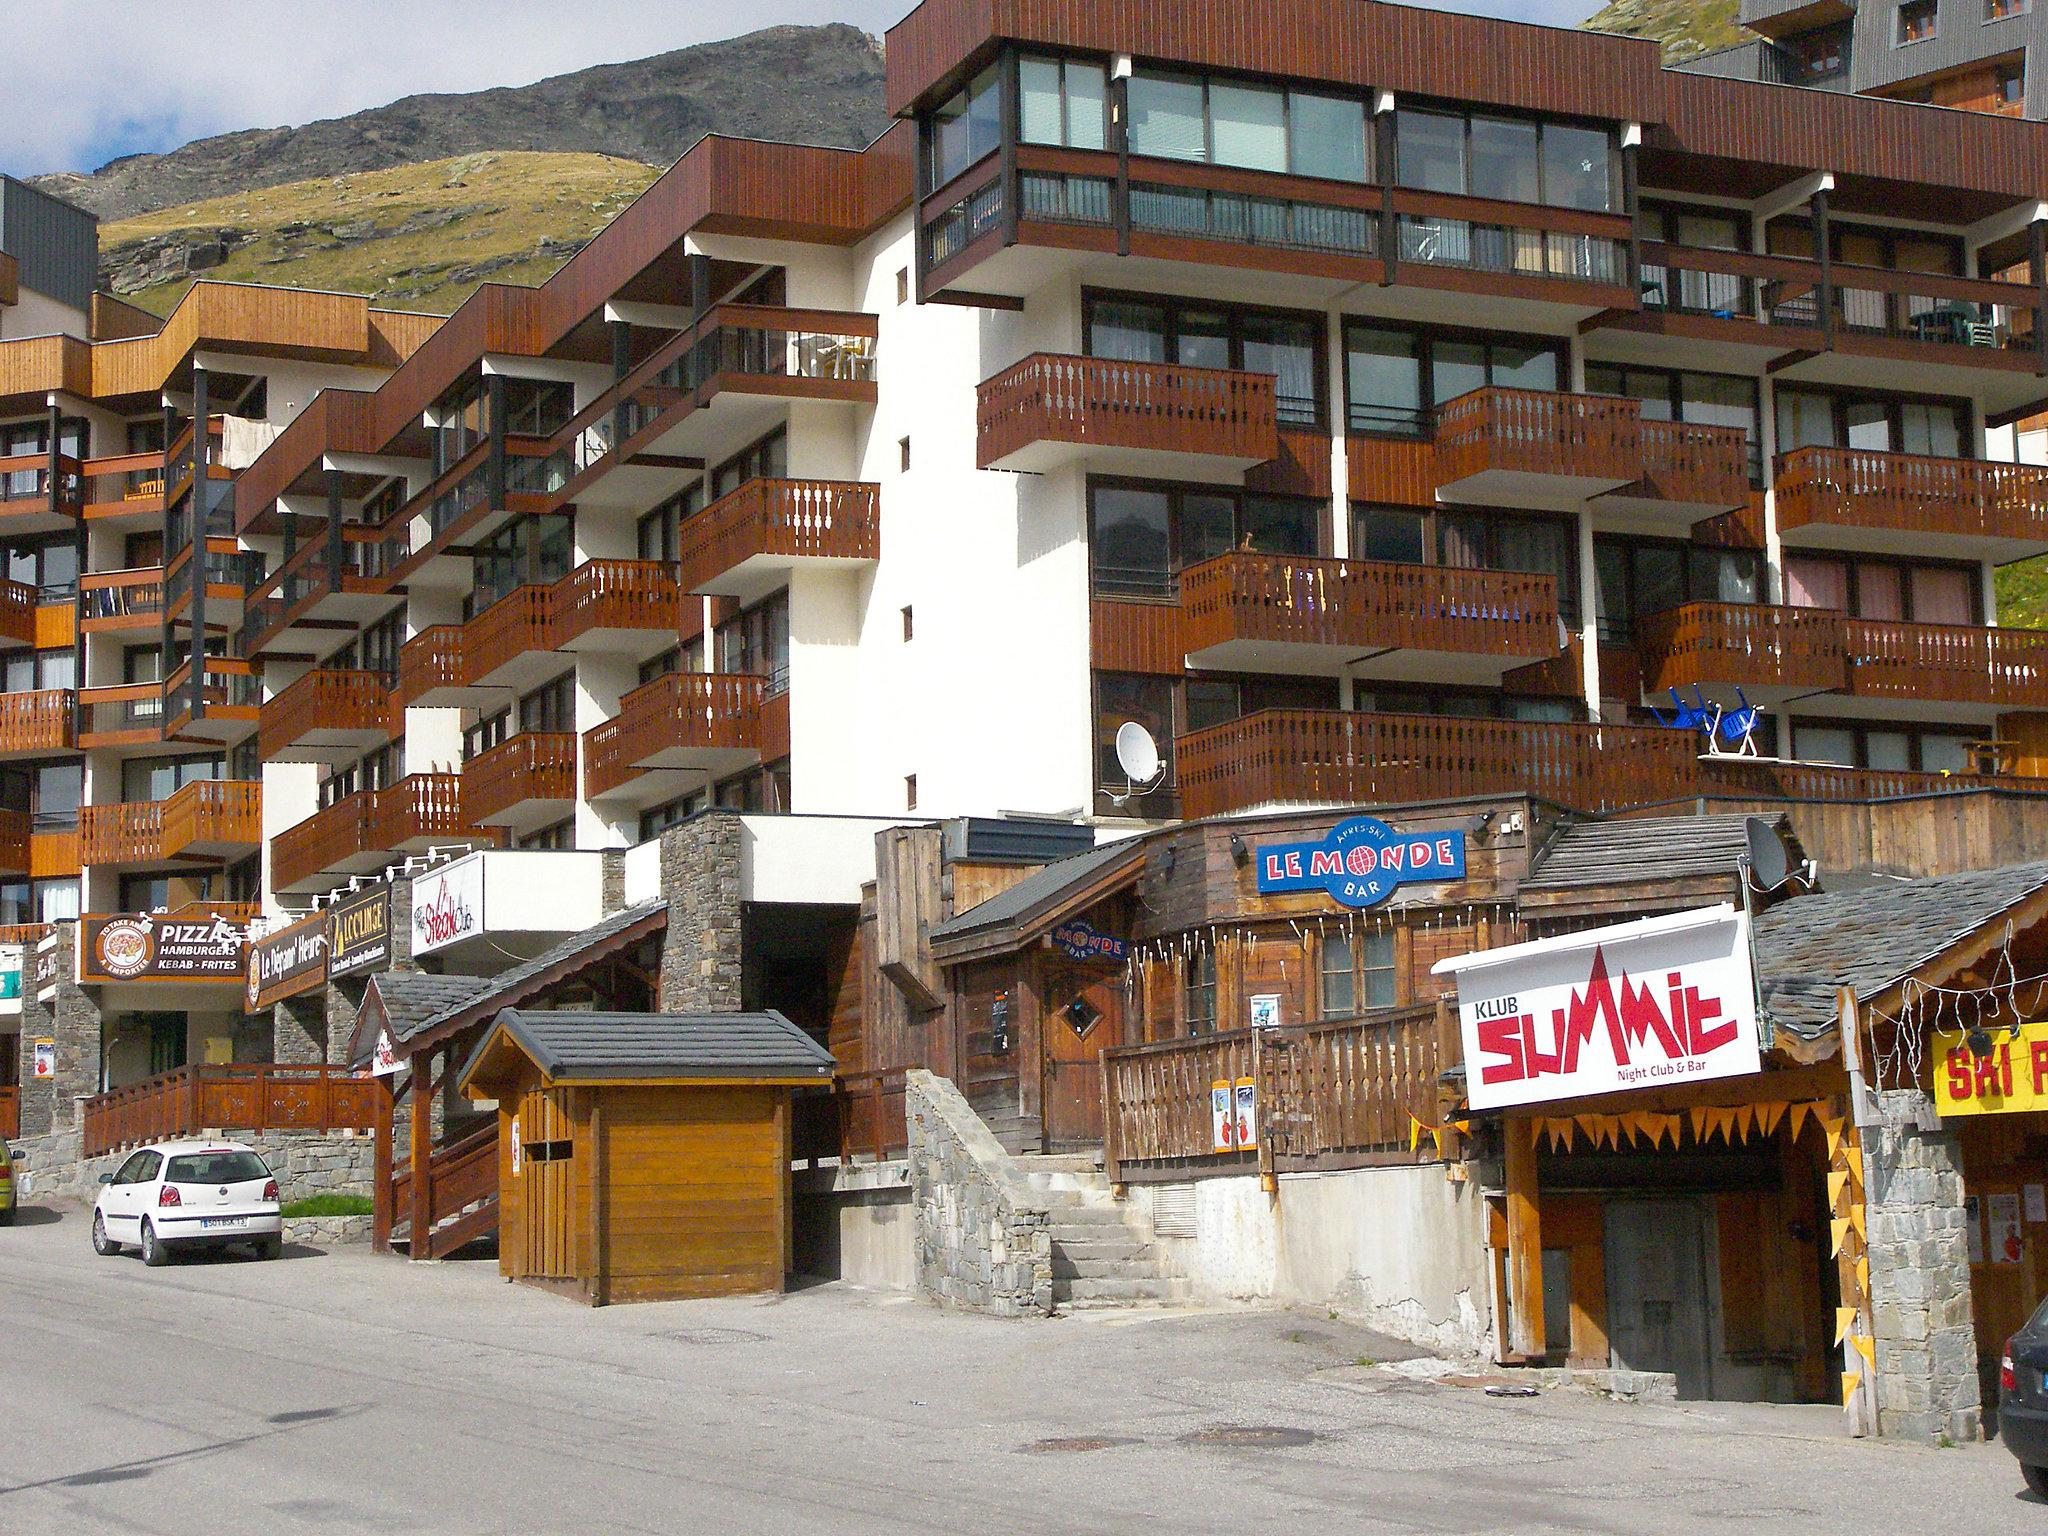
[{"x": 644, "y": 1156}]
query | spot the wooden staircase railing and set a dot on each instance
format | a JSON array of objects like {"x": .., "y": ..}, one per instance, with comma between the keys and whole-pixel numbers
[{"x": 462, "y": 1193}]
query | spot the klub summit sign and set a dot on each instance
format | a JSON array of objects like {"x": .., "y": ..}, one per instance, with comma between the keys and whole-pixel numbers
[{"x": 1638, "y": 1005}]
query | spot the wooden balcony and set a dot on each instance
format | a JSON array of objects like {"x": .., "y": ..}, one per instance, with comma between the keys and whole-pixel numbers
[
  {"x": 683, "y": 724},
  {"x": 511, "y": 643},
  {"x": 326, "y": 716},
  {"x": 115, "y": 600},
  {"x": 16, "y": 841},
  {"x": 1531, "y": 447},
  {"x": 526, "y": 781},
  {"x": 431, "y": 671},
  {"x": 121, "y": 715},
  {"x": 208, "y": 819},
  {"x": 1772, "y": 653},
  {"x": 745, "y": 544},
  {"x": 1269, "y": 613},
  {"x": 1905, "y": 668},
  {"x": 628, "y": 608},
  {"x": 27, "y": 504},
  {"x": 18, "y": 604},
  {"x": 1689, "y": 472},
  {"x": 1329, "y": 757},
  {"x": 121, "y": 833},
  {"x": 231, "y": 696},
  {"x": 129, "y": 485},
  {"x": 1148, "y": 418},
  {"x": 361, "y": 833},
  {"x": 32, "y": 724},
  {"x": 1904, "y": 503}
]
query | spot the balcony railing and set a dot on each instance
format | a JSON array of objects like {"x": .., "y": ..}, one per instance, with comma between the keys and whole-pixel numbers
[
  {"x": 1946, "y": 663},
  {"x": 429, "y": 666},
  {"x": 25, "y": 483},
  {"x": 613, "y": 595},
  {"x": 779, "y": 522},
  {"x": 41, "y": 721},
  {"x": 18, "y": 603},
  {"x": 1500, "y": 439},
  {"x": 1766, "y": 650},
  {"x": 421, "y": 807},
  {"x": 1327, "y": 757},
  {"x": 1693, "y": 465},
  {"x": 534, "y": 768},
  {"x": 334, "y": 838},
  {"x": 516, "y": 626},
  {"x": 1843, "y": 490},
  {"x": 230, "y": 691},
  {"x": 121, "y": 834},
  {"x": 1354, "y": 605},
  {"x": 129, "y": 599},
  {"x": 213, "y": 818},
  {"x": 123, "y": 484},
  {"x": 259, "y": 1097},
  {"x": 325, "y": 711},
  {"x": 682, "y": 720},
  {"x": 1097, "y": 402},
  {"x": 358, "y": 832}
]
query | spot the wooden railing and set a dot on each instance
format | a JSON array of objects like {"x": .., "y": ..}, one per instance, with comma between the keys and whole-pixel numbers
[
  {"x": 871, "y": 1116},
  {"x": 614, "y": 594},
  {"x": 1099, "y": 400},
  {"x": 462, "y": 1194},
  {"x": 1538, "y": 432},
  {"x": 420, "y": 805},
  {"x": 1357, "y": 604},
  {"x": 25, "y": 483},
  {"x": 787, "y": 519},
  {"x": 259, "y": 1097},
  {"x": 514, "y": 626},
  {"x": 1912, "y": 493},
  {"x": 431, "y": 659},
  {"x": 125, "y": 483},
  {"x": 212, "y": 816},
  {"x": 1328, "y": 1095},
  {"x": 326, "y": 700},
  {"x": 42, "y": 721},
  {"x": 323, "y": 841},
  {"x": 1693, "y": 464},
  {"x": 1756, "y": 645},
  {"x": 534, "y": 765},
  {"x": 18, "y": 602},
  {"x": 1947, "y": 663},
  {"x": 121, "y": 599},
  {"x": 121, "y": 834},
  {"x": 680, "y": 713}
]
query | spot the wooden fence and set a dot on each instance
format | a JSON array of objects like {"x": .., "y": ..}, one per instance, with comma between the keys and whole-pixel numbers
[
  {"x": 1330, "y": 1095},
  {"x": 258, "y": 1097}
]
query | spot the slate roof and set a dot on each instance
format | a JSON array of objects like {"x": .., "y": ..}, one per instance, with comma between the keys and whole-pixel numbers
[
  {"x": 1006, "y": 907},
  {"x": 410, "y": 998},
  {"x": 570, "y": 1045},
  {"x": 1810, "y": 947},
  {"x": 1645, "y": 848},
  {"x": 507, "y": 984}
]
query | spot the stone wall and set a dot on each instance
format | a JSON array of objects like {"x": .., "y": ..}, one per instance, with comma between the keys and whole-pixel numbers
[
  {"x": 1926, "y": 1374},
  {"x": 304, "y": 1164},
  {"x": 299, "y": 1028},
  {"x": 983, "y": 1241},
  {"x": 700, "y": 877},
  {"x": 72, "y": 1019},
  {"x": 327, "y": 1230}
]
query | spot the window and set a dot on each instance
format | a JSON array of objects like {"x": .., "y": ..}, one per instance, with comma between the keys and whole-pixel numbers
[
  {"x": 1472, "y": 539},
  {"x": 538, "y": 407},
  {"x": 767, "y": 459},
  {"x": 1888, "y": 747},
  {"x": 903, "y": 285},
  {"x": 560, "y": 836},
  {"x": 757, "y": 641},
  {"x": 1326, "y": 136},
  {"x": 1376, "y": 970},
  {"x": 1871, "y": 587},
  {"x": 965, "y": 130},
  {"x": 1640, "y": 577},
  {"x": 1063, "y": 101},
  {"x": 1242, "y": 123},
  {"x": 1810, "y": 417},
  {"x": 1918, "y": 20},
  {"x": 1141, "y": 536},
  {"x": 144, "y": 779},
  {"x": 551, "y": 707},
  {"x": 57, "y": 789},
  {"x": 1394, "y": 378},
  {"x": 670, "y": 660},
  {"x": 2009, "y": 86},
  {"x": 1510, "y": 159},
  {"x": 1703, "y": 399},
  {"x": 910, "y": 791},
  {"x": 657, "y": 529},
  {"x": 903, "y": 455},
  {"x": 1166, "y": 117},
  {"x": 1124, "y": 696},
  {"x": 658, "y": 819},
  {"x": 1198, "y": 993},
  {"x": 1339, "y": 977},
  {"x": 1999, "y": 10},
  {"x": 1198, "y": 335}
]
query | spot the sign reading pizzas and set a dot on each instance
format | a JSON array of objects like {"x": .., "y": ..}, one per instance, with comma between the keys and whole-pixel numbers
[{"x": 155, "y": 947}]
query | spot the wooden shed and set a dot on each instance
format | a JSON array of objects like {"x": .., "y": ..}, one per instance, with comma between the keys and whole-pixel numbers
[{"x": 644, "y": 1156}]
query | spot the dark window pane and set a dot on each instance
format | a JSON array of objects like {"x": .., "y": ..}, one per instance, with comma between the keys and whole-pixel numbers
[
  {"x": 1577, "y": 169},
  {"x": 1504, "y": 159},
  {"x": 1430, "y": 150},
  {"x": 1208, "y": 526},
  {"x": 1383, "y": 379},
  {"x": 1130, "y": 547},
  {"x": 1384, "y": 533},
  {"x": 1282, "y": 526}
]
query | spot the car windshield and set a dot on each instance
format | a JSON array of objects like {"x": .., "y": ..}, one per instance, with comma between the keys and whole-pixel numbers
[
  {"x": 216, "y": 1168},
  {"x": 2039, "y": 1322}
]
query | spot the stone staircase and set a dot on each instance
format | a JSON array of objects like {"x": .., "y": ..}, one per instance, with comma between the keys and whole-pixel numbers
[{"x": 1103, "y": 1254}]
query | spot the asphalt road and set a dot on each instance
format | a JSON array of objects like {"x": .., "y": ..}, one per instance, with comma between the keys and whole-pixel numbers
[{"x": 345, "y": 1393}]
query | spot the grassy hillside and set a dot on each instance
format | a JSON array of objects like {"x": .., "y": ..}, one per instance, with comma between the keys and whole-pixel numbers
[
  {"x": 1684, "y": 27},
  {"x": 2023, "y": 594},
  {"x": 414, "y": 237}
]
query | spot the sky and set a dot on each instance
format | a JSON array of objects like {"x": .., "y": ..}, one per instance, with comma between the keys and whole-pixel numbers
[{"x": 118, "y": 77}]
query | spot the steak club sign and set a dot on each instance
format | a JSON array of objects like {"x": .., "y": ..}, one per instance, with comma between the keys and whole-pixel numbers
[
  {"x": 1638, "y": 1005},
  {"x": 1361, "y": 861}
]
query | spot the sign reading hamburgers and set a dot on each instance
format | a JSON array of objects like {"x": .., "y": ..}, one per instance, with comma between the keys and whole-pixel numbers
[{"x": 160, "y": 948}]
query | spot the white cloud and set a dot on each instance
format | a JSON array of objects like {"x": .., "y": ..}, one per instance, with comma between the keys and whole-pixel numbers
[{"x": 112, "y": 76}]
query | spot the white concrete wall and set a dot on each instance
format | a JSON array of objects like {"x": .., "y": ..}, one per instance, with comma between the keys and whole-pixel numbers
[
  {"x": 1403, "y": 1249},
  {"x": 796, "y": 858},
  {"x": 541, "y": 891},
  {"x": 37, "y": 314}
]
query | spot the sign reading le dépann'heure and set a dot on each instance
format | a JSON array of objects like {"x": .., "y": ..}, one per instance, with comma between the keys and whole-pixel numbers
[
  {"x": 287, "y": 961},
  {"x": 1637, "y": 1005}
]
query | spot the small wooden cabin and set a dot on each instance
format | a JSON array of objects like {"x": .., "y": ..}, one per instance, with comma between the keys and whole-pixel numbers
[{"x": 644, "y": 1156}]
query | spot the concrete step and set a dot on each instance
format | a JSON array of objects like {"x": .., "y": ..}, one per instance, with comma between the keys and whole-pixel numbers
[
  {"x": 1125, "y": 1250},
  {"x": 1061, "y": 1162},
  {"x": 1090, "y": 1292},
  {"x": 1066, "y": 1228},
  {"x": 1070, "y": 1266}
]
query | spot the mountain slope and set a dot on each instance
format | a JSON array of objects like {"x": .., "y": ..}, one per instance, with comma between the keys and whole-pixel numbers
[
  {"x": 817, "y": 85},
  {"x": 413, "y": 237},
  {"x": 1684, "y": 27}
]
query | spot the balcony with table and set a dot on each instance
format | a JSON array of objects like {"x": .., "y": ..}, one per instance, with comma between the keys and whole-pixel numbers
[
  {"x": 1905, "y": 503},
  {"x": 1246, "y": 612},
  {"x": 745, "y": 544},
  {"x": 526, "y": 781},
  {"x": 326, "y": 716},
  {"x": 682, "y": 727},
  {"x": 1159, "y": 419}
]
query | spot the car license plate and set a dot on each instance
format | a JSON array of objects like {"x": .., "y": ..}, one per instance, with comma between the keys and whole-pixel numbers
[{"x": 222, "y": 1221}]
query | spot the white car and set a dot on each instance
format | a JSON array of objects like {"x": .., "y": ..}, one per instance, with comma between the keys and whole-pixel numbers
[{"x": 188, "y": 1194}]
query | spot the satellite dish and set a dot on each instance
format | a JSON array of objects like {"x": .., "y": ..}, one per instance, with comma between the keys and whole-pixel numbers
[
  {"x": 1768, "y": 866},
  {"x": 1138, "y": 755}
]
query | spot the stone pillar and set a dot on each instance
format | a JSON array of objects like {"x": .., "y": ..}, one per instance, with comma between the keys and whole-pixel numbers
[
  {"x": 612, "y": 880},
  {"x": 700, "y": 877},
  {"x": 401, "y": 926},
  {"x": 299, "y": 1029},
  {"x": 341, "y": 1001},
  {"x": 72, "y": 1019},
  {"x": 1920, "y": 1276}
]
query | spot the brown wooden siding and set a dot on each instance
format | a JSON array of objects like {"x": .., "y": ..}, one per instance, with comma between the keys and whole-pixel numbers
[{"x": 1135, "y": 637}]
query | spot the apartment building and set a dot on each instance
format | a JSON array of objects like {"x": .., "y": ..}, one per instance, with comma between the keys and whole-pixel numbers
[{"x": 130, "y": 780}]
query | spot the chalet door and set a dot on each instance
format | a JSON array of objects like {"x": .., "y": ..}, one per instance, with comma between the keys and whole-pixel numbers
[
  {"x": 545, "y": 1170},
  {"x": 1082, "y": 1016},
  {"x": 1657, "y": 1291}
]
